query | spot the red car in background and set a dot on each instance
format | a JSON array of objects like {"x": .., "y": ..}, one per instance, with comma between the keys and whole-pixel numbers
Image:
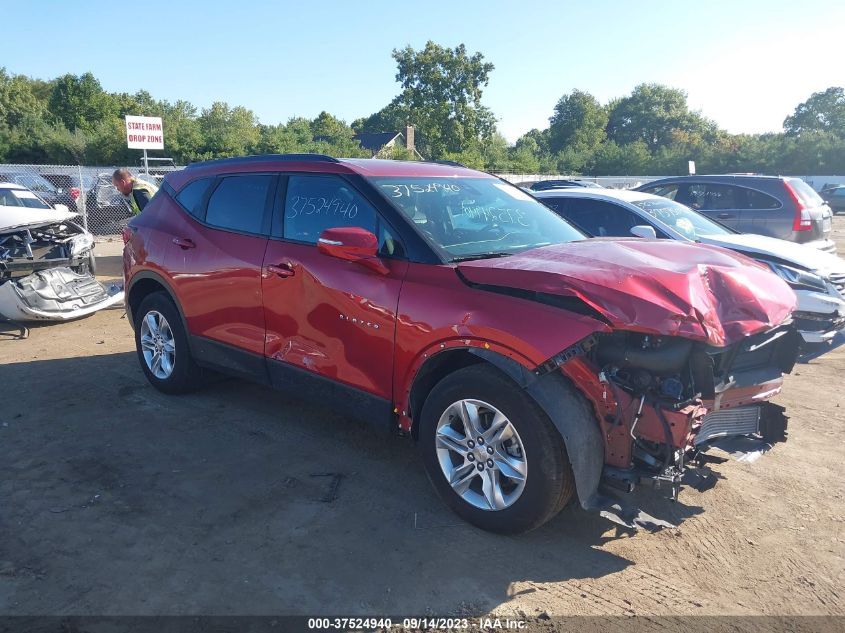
[{"x": 530, "y": 364}]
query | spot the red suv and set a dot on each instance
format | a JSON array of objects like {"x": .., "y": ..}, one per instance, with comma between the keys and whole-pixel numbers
[{"x": 530, "y": 364}]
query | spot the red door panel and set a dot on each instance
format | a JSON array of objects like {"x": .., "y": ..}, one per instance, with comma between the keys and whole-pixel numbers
[
  {"x": 218, "y": 282},
  {"x": 331, "y": 317}
]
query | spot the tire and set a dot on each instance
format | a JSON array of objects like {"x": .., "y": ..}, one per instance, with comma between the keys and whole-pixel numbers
[
  {"x": 179, "y": 374},
  {"x": 547, "y": 483}
]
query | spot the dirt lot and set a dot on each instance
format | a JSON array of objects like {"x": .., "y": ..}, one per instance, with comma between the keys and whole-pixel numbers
[{"x": 115, "y": 499}]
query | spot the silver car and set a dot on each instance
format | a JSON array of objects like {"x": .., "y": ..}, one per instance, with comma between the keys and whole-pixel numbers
[{"x": 776, "y": 206}]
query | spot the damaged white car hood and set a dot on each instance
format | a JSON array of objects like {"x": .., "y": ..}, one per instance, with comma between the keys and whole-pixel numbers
[
  {"x": 17, "y": 218},
  {"x": 56, "y": 294}
]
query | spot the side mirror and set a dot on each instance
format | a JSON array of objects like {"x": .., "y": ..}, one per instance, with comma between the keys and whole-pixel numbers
[
  {"x": 352, "y": 244},
  {"x": 644, "y": 230},
  {"x": 61, "y": 207}
]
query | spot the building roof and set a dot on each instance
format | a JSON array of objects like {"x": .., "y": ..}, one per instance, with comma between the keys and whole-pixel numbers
[{"x": 374, "y": 141}]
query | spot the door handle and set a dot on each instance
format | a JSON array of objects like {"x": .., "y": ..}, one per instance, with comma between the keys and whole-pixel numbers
[
  {"x": 184, "y": 243},
  {"x": 282, "y": 270},
  {"x": 725, "y": 216}
]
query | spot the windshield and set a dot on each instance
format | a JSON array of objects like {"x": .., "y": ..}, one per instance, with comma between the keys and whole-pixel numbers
[
  {"x": 476, "y": 217},
  {"x": 683, "y": 219},
  {"x": 34, "y": 182},
  {"x": 21, "y": 198}
]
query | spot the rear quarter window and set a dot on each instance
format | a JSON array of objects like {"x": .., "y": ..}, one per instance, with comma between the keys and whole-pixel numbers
[
  {"x": 239, "y": 203},
  {"x": 804, "y": 191},
  {"x": 758, "y": 200},
  {"x": 192, "y": 195}
]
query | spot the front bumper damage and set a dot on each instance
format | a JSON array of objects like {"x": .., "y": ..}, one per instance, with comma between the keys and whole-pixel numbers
[
  {"x": 46, "y": 270},
  {"x": 664, "y": 404},
  {"x": 820, "y": 316},
  {"x": 55, "y": 294}
]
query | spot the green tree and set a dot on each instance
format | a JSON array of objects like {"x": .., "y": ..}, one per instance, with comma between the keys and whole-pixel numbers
[
  {"x": 80, "y": 102},
  {"x": 651, "y": 113},
  {"x": 525, "y": 155},
  {"x": 579, "y": 122},
  {"x": 822, "y": 112},
  {"x": 631, "y": 159},
  {"x": 182, "y": 133},
  {"x": 391, "y": 118},
  {"x": 334, "y": 137},
  {"x": 17, "y": 99},
  {"x": 227, "y": 131},
  {"x": 441, "y": 95}
]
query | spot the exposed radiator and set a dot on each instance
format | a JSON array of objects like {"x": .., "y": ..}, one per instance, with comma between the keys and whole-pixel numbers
[{"x": 727, "y": 422}]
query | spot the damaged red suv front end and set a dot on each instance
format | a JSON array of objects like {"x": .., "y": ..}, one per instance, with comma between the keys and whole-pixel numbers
[{"x": 690, "y": 343}]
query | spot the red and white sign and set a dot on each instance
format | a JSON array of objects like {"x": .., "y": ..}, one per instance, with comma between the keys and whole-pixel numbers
[{"x": 144, "y": 132}]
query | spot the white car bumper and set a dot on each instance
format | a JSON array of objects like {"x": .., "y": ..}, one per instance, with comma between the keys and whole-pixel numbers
[
  {"x": 819, "y": 316},
  {"x": 55, "y": 294}
]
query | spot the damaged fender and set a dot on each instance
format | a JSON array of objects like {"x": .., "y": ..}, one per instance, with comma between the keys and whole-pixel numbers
[{"x": 557, "y": 398}]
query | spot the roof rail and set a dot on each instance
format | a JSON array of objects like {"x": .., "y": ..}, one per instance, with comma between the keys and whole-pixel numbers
[
  {"x": 450, "y": 163},
  {"x": 261, "y": 158}
]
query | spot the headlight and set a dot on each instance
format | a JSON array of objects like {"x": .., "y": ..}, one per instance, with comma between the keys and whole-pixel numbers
[
  {"x": 798, "y": 278},
  {"x": 81, "y": 243}
]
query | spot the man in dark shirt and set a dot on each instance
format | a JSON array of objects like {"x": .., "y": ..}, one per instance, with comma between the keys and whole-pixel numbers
[{"x": 137, "y": 192}]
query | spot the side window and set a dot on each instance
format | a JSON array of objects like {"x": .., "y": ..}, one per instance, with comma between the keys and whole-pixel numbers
[
  {"x": 238, "y": 203},
  {"x": 602, "y": 219},
  {"x": 389, "y": 244},
  {"x": 664, "y": 191},
  {"x": 316, "y": 203},
  {"x": 192, "y": 195},
  {"x": 715, "y": 197},
  {"x": 758, "y": 200},
  {"x": 557, "y": 204}
]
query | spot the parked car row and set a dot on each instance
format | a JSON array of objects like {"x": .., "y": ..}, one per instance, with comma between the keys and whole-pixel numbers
[
  {"x": 105, "y": 209},
  {"x": 531, "y": 364}
]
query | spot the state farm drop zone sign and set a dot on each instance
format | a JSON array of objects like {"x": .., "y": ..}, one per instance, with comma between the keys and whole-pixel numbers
[{"x": 144, "y": 132}]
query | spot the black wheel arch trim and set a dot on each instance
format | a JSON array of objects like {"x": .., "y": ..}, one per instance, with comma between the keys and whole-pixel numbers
[
  {"x": 584, "y": 445},
  {"x": 149, "y": 274}
]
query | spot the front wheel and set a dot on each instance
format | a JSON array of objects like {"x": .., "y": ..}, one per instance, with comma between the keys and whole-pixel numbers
[
  {"x": 162, "y": 346},
  {"x": 492, "y": 453}
]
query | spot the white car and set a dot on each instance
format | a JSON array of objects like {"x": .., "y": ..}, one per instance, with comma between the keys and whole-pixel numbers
[
  {"x": 817, "y": 277},
  {"x": 46, "y": 261}
]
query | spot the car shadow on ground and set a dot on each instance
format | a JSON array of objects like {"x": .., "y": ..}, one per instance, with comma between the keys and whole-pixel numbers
[{"x": 121, "y": 500}]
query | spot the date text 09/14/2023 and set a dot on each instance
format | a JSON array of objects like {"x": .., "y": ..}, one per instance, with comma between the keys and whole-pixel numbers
[{"x": 442, "y": 624}]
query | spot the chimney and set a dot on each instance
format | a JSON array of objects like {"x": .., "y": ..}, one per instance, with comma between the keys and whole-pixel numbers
[{"x": 409, "y": 138}]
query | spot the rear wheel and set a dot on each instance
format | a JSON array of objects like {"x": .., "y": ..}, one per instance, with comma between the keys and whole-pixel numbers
[
  {"x": 492, "y": 453},
  {"x": 162, "y": 346}
]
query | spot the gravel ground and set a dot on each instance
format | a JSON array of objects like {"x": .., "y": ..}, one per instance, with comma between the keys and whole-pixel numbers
[{"x": 116, "y": 499}]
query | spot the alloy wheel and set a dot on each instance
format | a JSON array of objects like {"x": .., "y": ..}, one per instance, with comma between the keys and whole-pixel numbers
[
  {"x": 158, "y": 345},
  {"x": 481, "y": 454}
]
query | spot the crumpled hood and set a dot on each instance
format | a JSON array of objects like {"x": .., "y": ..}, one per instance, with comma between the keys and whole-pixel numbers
[
  {"x": 652, "y": 286},
  {"x": 17, "y": 218}
]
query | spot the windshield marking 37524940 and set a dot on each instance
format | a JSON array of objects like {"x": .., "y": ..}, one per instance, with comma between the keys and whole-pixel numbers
[{"x": 470, "y": 218}]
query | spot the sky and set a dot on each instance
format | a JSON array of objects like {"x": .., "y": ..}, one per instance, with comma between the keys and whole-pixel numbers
[{"x": 744, "y": 63}]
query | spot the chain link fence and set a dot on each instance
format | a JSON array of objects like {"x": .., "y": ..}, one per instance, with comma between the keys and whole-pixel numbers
[
  {"x": 104, "y": 211},
  {"x": 84, "y": 190}
]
